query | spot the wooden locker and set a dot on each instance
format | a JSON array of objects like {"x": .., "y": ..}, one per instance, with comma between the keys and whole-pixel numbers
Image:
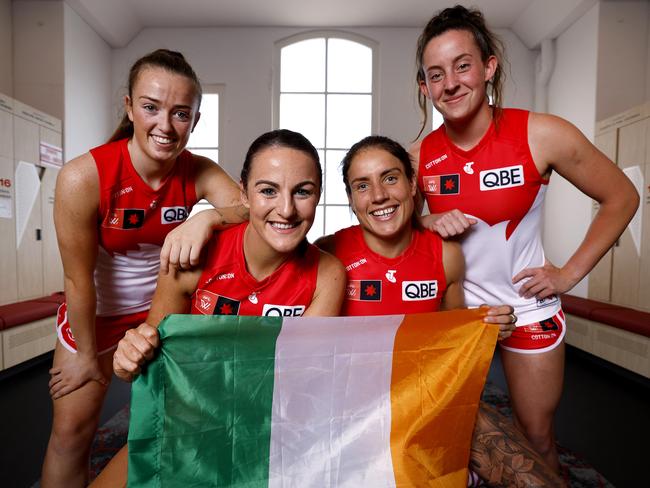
[
  {"x": 626, "y": 258},
  {"x": 600, "y": 278},
  {"x": 6, "y": 135},
  {"x": 9, "y": 288}
]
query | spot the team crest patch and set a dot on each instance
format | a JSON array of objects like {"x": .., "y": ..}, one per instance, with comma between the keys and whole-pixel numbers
[
  {"x": 364, "y": 290},
  {"x": 209, "y": 303},
  {"x": 442, "y": 184},
  {"x": 124, "y": 218}
]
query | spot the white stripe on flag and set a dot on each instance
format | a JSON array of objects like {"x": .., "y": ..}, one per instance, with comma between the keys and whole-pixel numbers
[{"x": 331, "y": 403}]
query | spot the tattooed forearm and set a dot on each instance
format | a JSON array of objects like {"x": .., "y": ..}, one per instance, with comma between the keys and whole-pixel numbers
[
  {"x": 232, "y": 215},
  {"x": 502, "y": 456}
]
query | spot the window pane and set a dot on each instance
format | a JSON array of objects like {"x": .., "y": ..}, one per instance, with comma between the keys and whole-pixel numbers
[
  {"x": 206, "y": 132},
  {"x": 334, "y": 187},
  {"x": 337, "y": 218},
  {"x": 316, "y": 230},
  {"x": 349, "y": 66},
  {"x": 302, "y": 66},
  {"x": 304, "y": 114},
  {"x": 213, "y": 154},
  {"x": 348, "y": 119}
]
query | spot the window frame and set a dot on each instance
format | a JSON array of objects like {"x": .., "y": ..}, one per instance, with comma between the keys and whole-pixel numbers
[
  {"x": 374, "y": 91},
  {"x": 211, "y": 89}
]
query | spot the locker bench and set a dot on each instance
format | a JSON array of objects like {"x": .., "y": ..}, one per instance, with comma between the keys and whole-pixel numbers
[
  {"x": 27, "y": 329},
  {"x": 617, "y": 334}
]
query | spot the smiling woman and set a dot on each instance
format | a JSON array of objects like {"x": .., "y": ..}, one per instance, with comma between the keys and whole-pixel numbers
[
  {"x": 484, "y": 175},
  {"x": 114, "y": 206}
]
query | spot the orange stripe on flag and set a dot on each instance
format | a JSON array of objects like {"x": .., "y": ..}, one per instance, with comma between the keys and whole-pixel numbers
[{"x": 440, "y": 362}]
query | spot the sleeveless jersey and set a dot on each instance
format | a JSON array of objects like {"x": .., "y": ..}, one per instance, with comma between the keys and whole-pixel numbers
[
  {"x": 227, "y": 288},
  {"x": 498, "y": 184},
  {"x": 133, "y": 222},
  {"x": 413, "y": 282}
]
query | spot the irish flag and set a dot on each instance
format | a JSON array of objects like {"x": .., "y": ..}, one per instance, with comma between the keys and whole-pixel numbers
[{"x": 310, "y": 402}]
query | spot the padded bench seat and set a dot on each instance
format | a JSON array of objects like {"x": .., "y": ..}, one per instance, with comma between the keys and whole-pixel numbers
[
  {"x": 27, "y": 329},
  {"x": 617, "y": 334}
]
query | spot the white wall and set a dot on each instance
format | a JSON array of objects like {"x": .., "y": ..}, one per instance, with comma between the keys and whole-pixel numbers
[
  {"x": 572, "y": 95},
  {"x": 622, "y": 56},
  {"x": 38, "y": 55},
  {"x": 6, "y": 49},
  {"x": 87, "y": 66},
  {"x": 519, "y": 88},
  {"x": 242, "y": 59}
]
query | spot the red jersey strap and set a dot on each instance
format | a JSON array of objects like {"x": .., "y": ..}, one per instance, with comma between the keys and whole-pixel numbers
[
  {"x": 413, "y": 282},
  {"x": 227, "y": 288},
  {"x": 114, "y": 167}
]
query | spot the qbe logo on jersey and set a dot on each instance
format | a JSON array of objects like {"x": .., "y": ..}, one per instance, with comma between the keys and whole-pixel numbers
[
  {"x": 496, "y": 179},
  {"x": 171, "y": 215},
  {"x": 413, "y": 291},
  {"x": 270, "y": 310}
]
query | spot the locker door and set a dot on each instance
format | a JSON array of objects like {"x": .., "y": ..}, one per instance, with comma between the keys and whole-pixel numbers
[
  {"x": 6, "y": 135},
  {"x": 600, "y": 278},
  {"x": 29, "y": 253},
  {"x": 52, "y": 267},
  {"x": 626, "y": 257},
  {"x": 9, "y": 288},
  {"x": 26, "y": 138}
]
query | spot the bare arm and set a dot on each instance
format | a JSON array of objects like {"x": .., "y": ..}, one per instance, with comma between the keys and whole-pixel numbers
[
  {"x": 502, "y": 456},
  {"x": 183, "y": 244},
  {"x": 453, "y": 262},
  {"x": 173, "y": 294},
  {"x": 76, "y": 206},
  {"x": 330, "y": 288},
  {"x": 446, "y": 224},
  {"x": 557, "y": 145}
]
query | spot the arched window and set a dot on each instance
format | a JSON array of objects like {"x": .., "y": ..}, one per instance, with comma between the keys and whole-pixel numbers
[{"x": 325, "y": 85}]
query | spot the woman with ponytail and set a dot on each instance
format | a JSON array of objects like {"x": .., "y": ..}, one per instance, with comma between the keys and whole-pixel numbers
[{"x": 114, "y": 206}]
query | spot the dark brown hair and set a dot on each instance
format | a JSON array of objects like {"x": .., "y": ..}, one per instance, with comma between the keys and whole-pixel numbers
[
  {"x": 393, "y": 148},
  {"x": 281, "y": 138},
  {"x": 472, "y": 21},
  {"x": 171, "y": 61},
  {"x": 379, "y": 142}
]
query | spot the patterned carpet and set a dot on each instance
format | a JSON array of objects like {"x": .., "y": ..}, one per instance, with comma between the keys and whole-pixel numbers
[{"x": 576, "y": 471}]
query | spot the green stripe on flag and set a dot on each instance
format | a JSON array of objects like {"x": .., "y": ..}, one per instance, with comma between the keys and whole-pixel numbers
[{"x": 188, "y": 427}]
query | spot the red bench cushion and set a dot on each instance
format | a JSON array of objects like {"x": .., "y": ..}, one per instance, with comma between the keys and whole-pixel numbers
[
  {"x": 14, "y": 314},
  {"x": 609, "y": 314}
]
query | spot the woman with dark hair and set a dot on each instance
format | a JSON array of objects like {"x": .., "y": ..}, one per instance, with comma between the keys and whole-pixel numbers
[
  {"x": 113, "y": 208},
  {"x": 263, "y": 267},
  {"x": 266, "y": 261},
  {"x": 484, "y": 174},
  {"x": 394, "y": 266}
]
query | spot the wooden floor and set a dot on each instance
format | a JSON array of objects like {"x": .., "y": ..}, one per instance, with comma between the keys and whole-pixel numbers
[{"x": 604, "y": 416}]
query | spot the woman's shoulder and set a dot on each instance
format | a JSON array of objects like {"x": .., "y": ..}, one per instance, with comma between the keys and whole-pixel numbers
[
  {"x": 329, "y": 267},
  {"x": 79, "y": 172}
]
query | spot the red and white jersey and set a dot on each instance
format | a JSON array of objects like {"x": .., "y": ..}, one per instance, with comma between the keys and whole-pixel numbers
[
  {"x": 413, "y": 282},
  {"x": 227, "y": 288},
  {"x": 498, "y": 184},
  {"x": 133, "y": 222}
]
